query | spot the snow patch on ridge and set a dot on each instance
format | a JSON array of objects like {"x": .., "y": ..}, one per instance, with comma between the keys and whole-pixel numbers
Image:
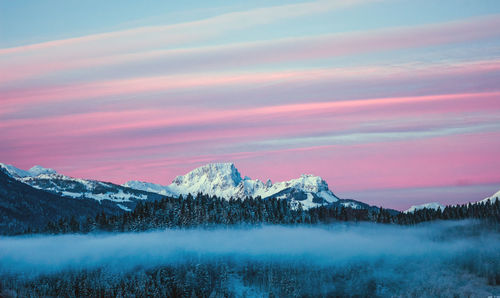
[
  {"x": 149, "y": 187},
  {"x": 124, "y": 207}
]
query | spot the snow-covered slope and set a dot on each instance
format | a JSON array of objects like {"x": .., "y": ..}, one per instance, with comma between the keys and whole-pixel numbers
[
  {"x": 49, "y": 180},
  {"x": 33, "y": 172},
  {"x": 436, "y": 205},
  {"x": 224, "y": 180},
  {"x": 492, "y": 198},
  {"x": 149, "y": 187},
  {"x": 433, "y": 205}
]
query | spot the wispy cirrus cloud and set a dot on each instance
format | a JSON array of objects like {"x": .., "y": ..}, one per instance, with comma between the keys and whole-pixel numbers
[
  {"x": 145, "y": 85},
  {"x": 61, "y": 54},
  {"x": 145, "y": 118},
  {"x": 158, "y": 132},
  {"x": 241, "y": 54}
]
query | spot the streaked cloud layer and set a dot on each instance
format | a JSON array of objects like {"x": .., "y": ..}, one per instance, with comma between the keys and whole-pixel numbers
[{"x": 279, "y": 88}]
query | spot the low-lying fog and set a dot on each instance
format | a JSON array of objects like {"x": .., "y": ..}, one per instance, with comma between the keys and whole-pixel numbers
[{"x": 324, "y": 245}]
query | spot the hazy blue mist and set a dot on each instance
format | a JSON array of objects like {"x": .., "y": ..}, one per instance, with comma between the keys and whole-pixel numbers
[
  {"x": 325, "y": 245},
  {"x": 434, "y": 259}
]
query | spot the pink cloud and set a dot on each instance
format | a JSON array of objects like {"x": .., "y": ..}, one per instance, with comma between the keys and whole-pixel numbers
[
  {"x": 145, "y": 104},
  {"x": 76, "y": 53},
  {"x": 407, "y": 164},
  {"x": 442, "y": 161},
  {"x": 124, "y": 141},
  {"x": 148, "y": 85},
  {"x": 105, "y": 122}
]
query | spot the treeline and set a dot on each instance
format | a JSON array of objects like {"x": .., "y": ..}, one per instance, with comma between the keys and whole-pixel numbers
[
  {"x": 488, "y": 210},
  {"x": 204, "y": 211}
]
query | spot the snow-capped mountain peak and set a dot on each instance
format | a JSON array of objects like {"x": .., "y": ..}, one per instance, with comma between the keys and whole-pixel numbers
[
  {"x": 432, "y": 205},
  {"x": 310, "y": 182},
  {"x": 39, "y": 170},
  {"x": 224, "y": 180},
  {"x": 13, "y": 171},
  {"x": 33, "y": 172},
  {"x": 219, "y": 179},
  {"x": 217, "y": 174}
]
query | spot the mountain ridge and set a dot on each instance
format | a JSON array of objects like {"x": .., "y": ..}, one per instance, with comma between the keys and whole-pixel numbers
[
  {"x": 225, "y": 181},
  {"x": 436, "y": 205},
  {"x": 51, "y": 181},
  {"x": 23, "y": 206},
  {"x": 215, "y": 179}
]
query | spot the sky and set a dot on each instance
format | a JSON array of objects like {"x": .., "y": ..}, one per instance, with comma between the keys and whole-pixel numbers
[{"x": 393, "y": 103}]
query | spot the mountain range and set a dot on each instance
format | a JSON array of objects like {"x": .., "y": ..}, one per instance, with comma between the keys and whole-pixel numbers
[
  {"x": 23, "y": 206},
  {"x": 49, "y": 180},
  {"x": 41, "y": 194},
  {"x": 225, "y": 181},
  {"x": 216, "y": 179}
]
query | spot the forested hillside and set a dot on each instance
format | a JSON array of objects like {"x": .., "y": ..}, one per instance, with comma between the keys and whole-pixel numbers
[
  {"x": 204, "y": 210},
  {"x": 23, "y": 207}
]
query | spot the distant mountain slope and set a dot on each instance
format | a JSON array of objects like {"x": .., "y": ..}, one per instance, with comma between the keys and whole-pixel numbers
[
  {"x": 492, "y": 198},
  {"x": 433, "y": 205},
  {"x": 49, "y": 180},
  {"x": 225, "y": 181},
  {"x": 23, "y": 206}
]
